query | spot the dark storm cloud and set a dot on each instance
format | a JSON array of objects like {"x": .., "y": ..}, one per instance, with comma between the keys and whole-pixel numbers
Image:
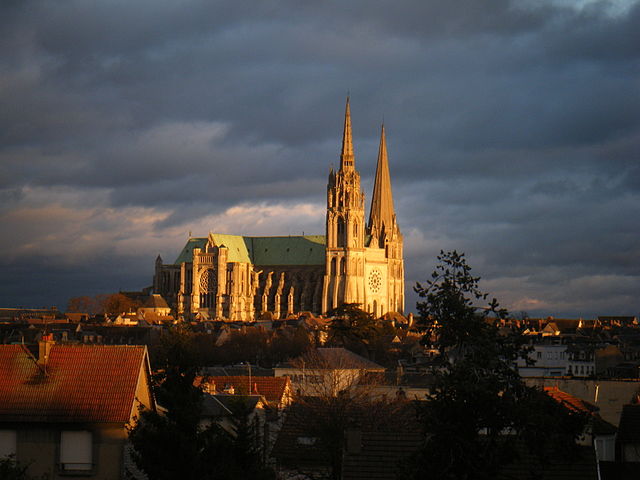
[{"x": 513, "y": 130}]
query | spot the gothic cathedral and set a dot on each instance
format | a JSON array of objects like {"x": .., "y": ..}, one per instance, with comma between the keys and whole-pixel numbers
[{"x": 238, "y": 278}]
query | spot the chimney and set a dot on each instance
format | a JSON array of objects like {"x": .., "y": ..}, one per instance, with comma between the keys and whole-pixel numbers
[{"x": 44, "y": 348}]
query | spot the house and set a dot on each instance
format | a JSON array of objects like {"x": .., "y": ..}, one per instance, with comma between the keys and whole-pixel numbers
[
  {"x": 629, "y": 434},
  {"x": 65, "y": 409},
  {"x": 276, "y": 391},
  {"x": 223, "y": 409},
  {"x": 548, "y": 358},
  {"x": 327, "y": 371},
  {"x": 599, "y": 434}
]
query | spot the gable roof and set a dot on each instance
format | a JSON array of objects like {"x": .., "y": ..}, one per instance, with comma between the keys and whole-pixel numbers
[
  {"x": 155, "y": 301},
  {"x": 294, "y": 250},
  {"x": 570, "y": 402},
  {"x": 82, "y": 383},
  {"x": 341, "y": 358}
]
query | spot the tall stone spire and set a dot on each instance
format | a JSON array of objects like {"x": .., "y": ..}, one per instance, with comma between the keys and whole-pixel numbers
[
  {"x": 346, "y": 156},
  {"x": 382, "y": 213}
]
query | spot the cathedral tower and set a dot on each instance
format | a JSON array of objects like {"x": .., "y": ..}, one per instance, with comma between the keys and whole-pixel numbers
[
  {"x": 345, "y": 250},
  {"x": 385, "y": 289},
  {"x": 241, "y": 278}
]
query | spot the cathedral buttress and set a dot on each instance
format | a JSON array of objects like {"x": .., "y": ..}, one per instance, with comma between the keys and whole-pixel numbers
[{"x": 344, "y": 280}]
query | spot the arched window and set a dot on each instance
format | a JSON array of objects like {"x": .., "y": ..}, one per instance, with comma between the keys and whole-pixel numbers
[
  {"x": 333, "y": 270},
  {"x": 343, "y": 269},
  {"x": 341, "y": 232}
]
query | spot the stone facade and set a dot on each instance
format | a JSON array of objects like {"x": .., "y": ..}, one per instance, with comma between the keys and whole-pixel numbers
[{"x": 239, "y": 278}]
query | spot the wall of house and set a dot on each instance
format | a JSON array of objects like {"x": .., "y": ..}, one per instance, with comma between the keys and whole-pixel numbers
[
  {"x": 39, "y": 446},
  {"x": 143, "y": 393},
  {"x": 317, "y": 382},
  {"x": 631, "y": 453}
]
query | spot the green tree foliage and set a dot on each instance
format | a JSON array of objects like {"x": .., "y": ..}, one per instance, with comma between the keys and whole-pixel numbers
[
  {"x": 353, "y": 328},
  {"x": 350, "y": 325},
  {"x": 10, "y": 469},
  {"x": 479, "y": 411}
]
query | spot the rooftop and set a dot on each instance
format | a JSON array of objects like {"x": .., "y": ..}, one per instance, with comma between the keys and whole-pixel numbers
[
  {"x": 293, "y": 250},
  {"x": 80, "y": 383}
]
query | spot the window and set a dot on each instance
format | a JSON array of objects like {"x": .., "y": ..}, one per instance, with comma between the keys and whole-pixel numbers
[
  {"x": 7, "y": 443},
  {"x": 76, "y": 450},
  {"x": 307, "y": 441},
  {"x": 605, "y": 449}
]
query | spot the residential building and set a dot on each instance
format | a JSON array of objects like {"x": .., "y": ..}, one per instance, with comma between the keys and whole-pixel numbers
[
  {"x": 328, "y": 371},
  {"x": 65, "y": 409}
]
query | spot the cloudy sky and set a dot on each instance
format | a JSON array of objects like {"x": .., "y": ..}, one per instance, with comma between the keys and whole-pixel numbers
[{"x": 513, "y": 132}]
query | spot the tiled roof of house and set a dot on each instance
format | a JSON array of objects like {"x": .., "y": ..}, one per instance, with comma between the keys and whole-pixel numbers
[
  {"x": 581, "y": 466},
  {"x": 382, "y": 440},
  {"x": 571, "y": 402},
  {"x": 273, "y": 389},
  {"x": 379, "y": 452},
  {"x": 296, "y": 445},
  {"x": 155, "y": 301},
  {"x": 337, "y": 358},
  {"x": 81, "y": 383},
  {"x": 343, "y": 358}
]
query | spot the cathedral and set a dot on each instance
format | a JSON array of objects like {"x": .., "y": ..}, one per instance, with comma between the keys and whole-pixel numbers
[{"x": 233, "y": 277}]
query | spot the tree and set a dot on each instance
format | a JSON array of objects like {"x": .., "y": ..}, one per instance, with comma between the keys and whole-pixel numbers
[
  {"x": 117, "y": 303},
  {"x": 10, "y": 469},
  {"x": 479, "y": 411},
  {"x": 357, "y": 330},
  {"x": 176, "y": 444},
  {"x": 84, "y": 304},
  {"x": 336, "y": 395},
  {"x": 112, "y": 304}
]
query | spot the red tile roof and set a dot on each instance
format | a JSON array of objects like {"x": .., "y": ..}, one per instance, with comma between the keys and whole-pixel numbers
[
  {"x": 82, "y": 383},
  {"x": 569, "y": 401},
  {"x": 272, "y": 389}
]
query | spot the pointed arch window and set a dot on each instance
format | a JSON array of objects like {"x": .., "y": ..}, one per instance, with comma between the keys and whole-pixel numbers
[{"x": 341, "y": 232}]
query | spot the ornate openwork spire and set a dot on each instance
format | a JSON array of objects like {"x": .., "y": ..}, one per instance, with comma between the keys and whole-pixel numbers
[
  {"x": 346, "y": 156},
  {"x": 382, "y": 211}
]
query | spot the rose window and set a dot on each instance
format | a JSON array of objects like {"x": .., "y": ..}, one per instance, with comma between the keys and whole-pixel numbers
[{"x": 375, "y": 280}]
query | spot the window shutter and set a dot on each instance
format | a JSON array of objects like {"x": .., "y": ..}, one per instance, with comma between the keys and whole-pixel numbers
[{"x": 76, "y": 450}]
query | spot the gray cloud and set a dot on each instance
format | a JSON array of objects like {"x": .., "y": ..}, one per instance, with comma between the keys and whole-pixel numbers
[{"x": 513, "y": 132}]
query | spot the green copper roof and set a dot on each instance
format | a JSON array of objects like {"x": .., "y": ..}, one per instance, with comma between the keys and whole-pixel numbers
[
  {"x": 303, "y": 250},
  {"x": 307, "y": 250},
  {"x": 186, "y": 255}
]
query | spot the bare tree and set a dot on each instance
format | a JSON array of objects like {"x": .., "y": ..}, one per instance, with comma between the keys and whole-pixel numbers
[{"x": 333, "y": 398}]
